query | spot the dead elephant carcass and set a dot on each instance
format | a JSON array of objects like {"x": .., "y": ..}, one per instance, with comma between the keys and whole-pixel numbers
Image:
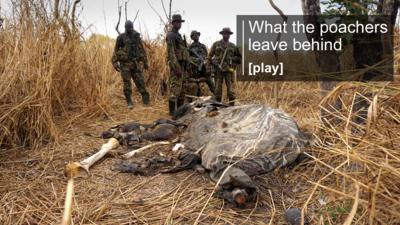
[
  {"x": 236, "y": 143},
  {"x": 131, "y": 133},
  {"x": 231, "y": 143}
]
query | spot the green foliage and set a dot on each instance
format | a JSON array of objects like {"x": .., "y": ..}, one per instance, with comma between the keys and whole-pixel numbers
[
  {"x": 348, "y": 7},
  {"x": 353, "y": 8},
  {"x": 337, "y": 211}
]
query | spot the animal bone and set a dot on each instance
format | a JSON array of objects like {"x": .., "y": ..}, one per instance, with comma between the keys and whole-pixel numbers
[
  {"x": 137, "y": 151},
  {"x": 72, "y": 169},
  {"x": 178, "y": 147},
  {"x": 87, "y": 163},
  {"x": 200, "y": 99},
  {"x": 66, "y": 220},
  {"x": 110, "y": 145}
]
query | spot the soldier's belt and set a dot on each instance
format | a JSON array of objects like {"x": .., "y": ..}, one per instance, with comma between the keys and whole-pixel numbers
[
  {"x": 230, "y": 70},
  {"x": 197, "y": 80},
  {"x": 183, "y": 62}
]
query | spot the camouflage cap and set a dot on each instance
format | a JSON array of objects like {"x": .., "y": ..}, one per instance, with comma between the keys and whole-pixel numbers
[
  {"x": 226, "y": 30},
  {"x": 129, "y": 25},
  {"x": 177, "y": 18},
  {"x": 194, "y": 32}
]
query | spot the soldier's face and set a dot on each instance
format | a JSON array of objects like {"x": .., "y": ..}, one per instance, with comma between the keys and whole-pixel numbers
[
  {"x": 195, "y": 38},
  {"x": 226, "y": 37},
  {"x": 177, "y": 25}
]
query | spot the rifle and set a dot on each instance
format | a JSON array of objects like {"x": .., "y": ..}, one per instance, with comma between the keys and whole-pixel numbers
[
  {"x": 184, "y": 69},
  {"x": 201, "y": 59},
  {"x": 223, "y": 59},
  {"x": 219, "y": 66},
  {"x": 132, "y": 52}
]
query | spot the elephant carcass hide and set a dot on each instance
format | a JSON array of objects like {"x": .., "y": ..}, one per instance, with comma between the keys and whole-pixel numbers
[{"x": 248, "y": 140}]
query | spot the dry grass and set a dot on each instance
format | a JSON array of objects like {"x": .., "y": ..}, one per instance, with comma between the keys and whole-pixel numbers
[
  {"x": 46, "y": 76},
  {"x": 325, "y": 186},
  {"x": 55, "y": 90}
]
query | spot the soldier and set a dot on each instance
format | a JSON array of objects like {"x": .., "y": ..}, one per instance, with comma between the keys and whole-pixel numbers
[
  {"x": 128, "y": 56},
  {"x": 178, "y": 60},
  {"x": 198, "y": 54},
  {"x": 225, "y": 57}
]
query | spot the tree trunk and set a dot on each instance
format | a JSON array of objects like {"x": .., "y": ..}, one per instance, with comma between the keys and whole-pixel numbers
[
  {"x": 328, "y": 61},
  {"x": 311, "y": 7},
  {"x": 56, "y": 9},
  {"x": 379, "y": 9},
  {"x": 367, "y": 53},
  {"x": 391, "y": 7},
  {"x": 73, "y": 16}
]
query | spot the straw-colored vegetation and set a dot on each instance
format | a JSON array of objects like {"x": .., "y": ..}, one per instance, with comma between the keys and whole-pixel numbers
[{"x": 55, "y": 88}]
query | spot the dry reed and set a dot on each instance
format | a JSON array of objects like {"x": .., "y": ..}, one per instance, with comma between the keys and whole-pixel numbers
[{"x": 55, "y": 89}]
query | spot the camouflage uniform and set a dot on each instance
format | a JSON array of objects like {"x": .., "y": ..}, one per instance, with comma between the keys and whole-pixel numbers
[
  {"x": 198, "y": 54},
  {"x": 226, "y": 71},
  {"x": 178, "y": 60},
  {"x": 128, "y": 54}
]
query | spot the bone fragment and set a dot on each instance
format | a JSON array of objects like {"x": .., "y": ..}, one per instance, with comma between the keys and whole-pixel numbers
[{"x": 137, "y": 151}]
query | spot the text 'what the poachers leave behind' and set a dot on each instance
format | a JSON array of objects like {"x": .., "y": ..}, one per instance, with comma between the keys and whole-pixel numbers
[{"x": 312, "y": 45}]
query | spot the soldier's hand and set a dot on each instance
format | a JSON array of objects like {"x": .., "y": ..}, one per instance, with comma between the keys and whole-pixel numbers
[{"x": 117, "y": 67}]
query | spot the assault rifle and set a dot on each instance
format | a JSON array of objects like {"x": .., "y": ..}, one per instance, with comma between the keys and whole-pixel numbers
[
  {"x": 219, "y": 65},
  {"x": 201, "y": 63}
]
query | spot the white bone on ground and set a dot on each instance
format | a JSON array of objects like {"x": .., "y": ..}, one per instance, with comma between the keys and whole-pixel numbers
[
  {"x": 137, "y": 151},
  {"x": 105, "y": 148},
  {"x": 178, "y": 147}
]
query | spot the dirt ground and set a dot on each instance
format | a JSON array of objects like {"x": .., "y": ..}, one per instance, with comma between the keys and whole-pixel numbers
[
  {"x": 340, "y": 179},
  {"x": 33, "y": 185}
]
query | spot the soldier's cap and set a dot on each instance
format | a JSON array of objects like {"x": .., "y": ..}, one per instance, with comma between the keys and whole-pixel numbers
[
  {"x": 128, "y": 25},
  {"x": 226, "y": 30},
  {"x": 194, "y": 32},
  {"x": 177, "y": 18}
]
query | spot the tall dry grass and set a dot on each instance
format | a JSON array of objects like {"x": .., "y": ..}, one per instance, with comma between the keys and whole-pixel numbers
[
  {"x": 50, "y": 75},
  {"x": 46, "y": 74}
]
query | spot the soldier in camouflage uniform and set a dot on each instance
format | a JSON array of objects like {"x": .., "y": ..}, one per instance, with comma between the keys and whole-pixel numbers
[
  {"x": 178, "y": 60},
  {"x": 128, "y": 56},
  {"x": 225, "y": 57},
  {"x": 198, "y": 55}
]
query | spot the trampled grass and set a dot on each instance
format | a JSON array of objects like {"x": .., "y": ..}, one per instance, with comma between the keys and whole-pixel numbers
[{"x": 55, "y": 87}]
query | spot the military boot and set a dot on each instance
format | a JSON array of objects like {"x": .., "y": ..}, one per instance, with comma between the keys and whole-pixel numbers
[
  {"x": 146, "y": 99},
  {"x": 171, "y": 105},
  {"x": 181, "y": 102},
  {"x": 129, "y": 101},
  {"x": 232, "y": 102}
]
